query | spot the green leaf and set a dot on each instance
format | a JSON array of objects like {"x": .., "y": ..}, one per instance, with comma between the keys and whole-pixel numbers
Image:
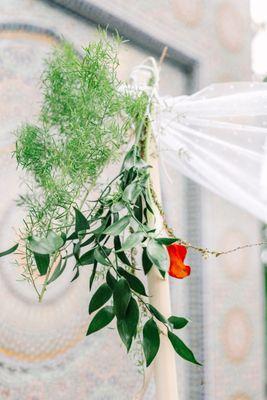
[
  {"x": 140, "y": 163},
  {"x": 111, "y": 281},
  {"x": 121, "y": 297},
  {"x": 9, "y": 251},
  {"x": 128, "y": 177},
  {"x": 121, "y": 255},
  {"x": 81, "y": 223},
  {"x": 157, "y": 254},
  {"x": 117, "y": 227},
  {"x": 64, "y": 237},
  {"x": 162, "y": 273},
  {"x": 105, "y": 223},
  {"x": 148, "y": 203},
  {"x": 47, "y": 245},
  {"x": 100, "y": 238},
  {"x": 72, "y": 236},
  {"x": 100, "y": 297},
  {"x": 146, "y": 262},
  {"x": 115, "y": 216},
  {"x": 88, "y": 241},
  {"x": 58, "y": 270},
  {"x": 76, "y": 250},
  {"x": 133, "y": 158},
  {"x": 181, "y": 348},
  {"x": 151, "y": 340},
  {"x": 87, "y": 258},
  {"x": 138, "y": 209},
  {"x": 42, "y": 262},
  {"x": 178, "y": 322},
  {"x": 98, "y": 213},
  {"x": 131, "y": 192},
  {"x": 116, "y": 207},
  {"x": 102, "y": 318},
  {"x": 77, "y": 273},
  {"x": 127, "y": 326},
  {"x": 157, "y": 314},
  {"x": 129, "y": 159},
  {"x": 167, "y": 241},
  {"x": 144, "y": 176},
  {"x": 92, "y": 277},
  {"x": 101, "y": 257},
  {"x": 132, "y": 240},
  {"x": 134, "y": 282}
]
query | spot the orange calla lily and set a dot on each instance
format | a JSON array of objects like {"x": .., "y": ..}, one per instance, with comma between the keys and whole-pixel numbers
[{"x": 177, "y": 268}]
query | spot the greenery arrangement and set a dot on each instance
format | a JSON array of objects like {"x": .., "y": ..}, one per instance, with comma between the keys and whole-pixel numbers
[{"x": 84, "y": 121}]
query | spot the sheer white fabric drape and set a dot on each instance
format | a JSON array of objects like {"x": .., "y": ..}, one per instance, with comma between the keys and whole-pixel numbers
[{"x": 217, "y": 137}]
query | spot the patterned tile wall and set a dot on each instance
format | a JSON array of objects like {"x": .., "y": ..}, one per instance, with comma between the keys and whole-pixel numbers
[{"x": 229, "y": 291}]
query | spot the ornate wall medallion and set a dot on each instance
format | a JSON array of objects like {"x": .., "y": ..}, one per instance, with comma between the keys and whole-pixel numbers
[
  {"x": 230, "y": 26},
  {"x": 189, "y": 12},
  {"x": 236, "y": 335}
]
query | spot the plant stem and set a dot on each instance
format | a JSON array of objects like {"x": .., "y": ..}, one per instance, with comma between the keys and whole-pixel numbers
[{"x": 47, "y": 277}]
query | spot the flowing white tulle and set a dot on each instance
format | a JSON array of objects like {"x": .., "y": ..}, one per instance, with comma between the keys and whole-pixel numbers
[{"x": 217, "y": 137}]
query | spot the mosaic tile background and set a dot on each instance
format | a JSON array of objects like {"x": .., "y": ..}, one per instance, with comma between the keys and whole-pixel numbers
[{"x": 224, "y": 298}]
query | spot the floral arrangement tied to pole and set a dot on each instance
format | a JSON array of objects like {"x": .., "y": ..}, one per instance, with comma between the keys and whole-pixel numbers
[
  {"x": 84, "y": 119},
  {"x": 88, "y": 116}
]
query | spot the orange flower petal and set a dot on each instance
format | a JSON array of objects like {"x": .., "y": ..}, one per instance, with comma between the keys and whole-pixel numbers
[
  {"x": 177, "y": 267},
  {"x": 177, "y": 250}
]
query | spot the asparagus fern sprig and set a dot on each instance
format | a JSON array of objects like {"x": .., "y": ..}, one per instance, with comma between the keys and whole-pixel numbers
[{"x": 84, "y": 121}]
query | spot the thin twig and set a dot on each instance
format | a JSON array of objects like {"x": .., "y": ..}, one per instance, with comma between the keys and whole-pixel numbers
[
  {"x": 205, "y": 251},
  {"x": 163, "y": 56}
]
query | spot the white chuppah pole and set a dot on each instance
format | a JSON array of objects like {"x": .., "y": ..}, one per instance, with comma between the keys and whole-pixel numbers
[
  {"x": 159, "y": 291},
  {"x": 164, "y": 366}
]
